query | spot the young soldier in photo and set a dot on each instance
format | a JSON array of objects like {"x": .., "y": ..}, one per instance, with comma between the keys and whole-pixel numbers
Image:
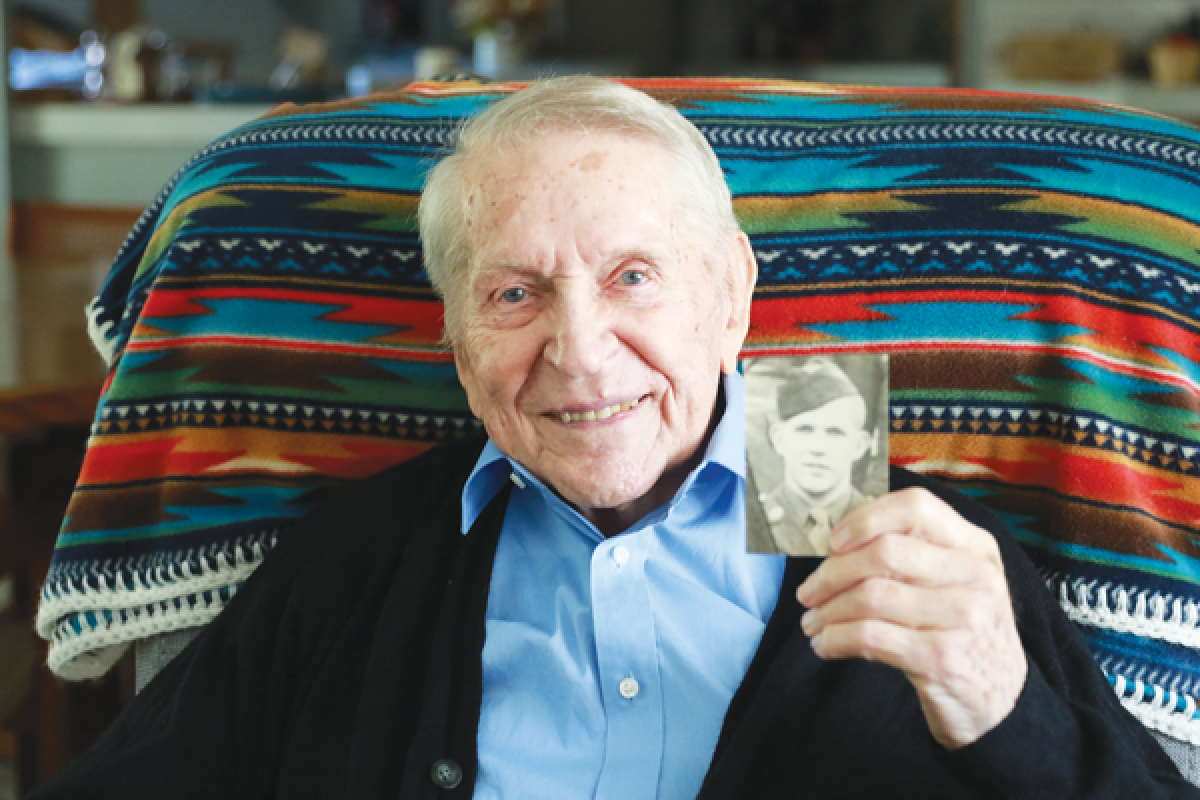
[{"x": 821, "y": 434}]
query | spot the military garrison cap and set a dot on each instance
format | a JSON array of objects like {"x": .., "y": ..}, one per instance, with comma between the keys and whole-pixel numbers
[{"x": 819, "y": 382}]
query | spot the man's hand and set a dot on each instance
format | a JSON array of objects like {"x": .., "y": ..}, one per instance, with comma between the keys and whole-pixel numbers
[{"x": 912, "y": 584}]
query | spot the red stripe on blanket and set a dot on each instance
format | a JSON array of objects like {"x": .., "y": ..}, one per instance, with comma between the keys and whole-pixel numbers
[
  {"x": 1106, "y": 479},
  {"x": 1116, "y": 337},
  {"x": 417, "y": 321},
  {"x": 256, "y": 342},
  {"x": 146, "y": 459}
]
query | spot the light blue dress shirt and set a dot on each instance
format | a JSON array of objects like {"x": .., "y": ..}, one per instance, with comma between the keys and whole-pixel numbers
[{"x": 609, "y": 664}]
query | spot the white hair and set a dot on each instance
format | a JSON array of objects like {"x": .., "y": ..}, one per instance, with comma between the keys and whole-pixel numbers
[{"x": 576, "y": 103}]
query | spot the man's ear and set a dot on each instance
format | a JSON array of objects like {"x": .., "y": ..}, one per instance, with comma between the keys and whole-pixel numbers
[
  {"x": 865, "y": 440},
  {"x": 741, "y": 272},
  {"x": 774, "y": 431}
]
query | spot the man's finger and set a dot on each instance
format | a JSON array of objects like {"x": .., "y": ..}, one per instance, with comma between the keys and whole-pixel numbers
[
  {"x": 914, "y": 512},
  {"x": 869, "y": 639},
  {"x": 896, "y": 557},
  {"x": 927, "y": 657},
  {"x": 895, "y": 603}
]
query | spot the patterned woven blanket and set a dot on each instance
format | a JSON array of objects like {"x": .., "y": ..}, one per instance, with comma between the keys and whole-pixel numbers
[{"x": 1030, "y": 264}]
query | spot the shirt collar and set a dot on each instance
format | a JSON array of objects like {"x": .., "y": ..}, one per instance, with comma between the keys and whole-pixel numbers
[{"x": 726, "y": 449}]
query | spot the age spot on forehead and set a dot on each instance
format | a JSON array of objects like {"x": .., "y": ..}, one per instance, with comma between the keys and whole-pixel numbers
[{"x": 591, "y": 162}]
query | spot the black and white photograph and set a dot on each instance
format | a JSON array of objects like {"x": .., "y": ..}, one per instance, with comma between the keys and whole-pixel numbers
[{"x": 816, "y": 447}]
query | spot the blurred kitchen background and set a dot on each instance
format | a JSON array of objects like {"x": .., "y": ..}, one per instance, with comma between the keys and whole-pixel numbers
[{"x": 106, "y": 98}]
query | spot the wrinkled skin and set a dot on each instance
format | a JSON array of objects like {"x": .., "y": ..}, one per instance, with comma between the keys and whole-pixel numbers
[
  {"x": 914, "y": 585},
  {"x": 586, "y": 294}
]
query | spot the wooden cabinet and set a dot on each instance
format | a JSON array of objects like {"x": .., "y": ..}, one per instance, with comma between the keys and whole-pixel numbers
[
  {"x": 48, "y": 722},
  {"x": 61, "y": 255}
]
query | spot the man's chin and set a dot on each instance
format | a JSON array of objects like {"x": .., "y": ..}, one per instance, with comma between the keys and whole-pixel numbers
[
  {"x": 817, "y": 482},
  {"x": 587, "y": 494},
  {"x": 600, "y": 498},
  {"x": 812, "y": 484}
]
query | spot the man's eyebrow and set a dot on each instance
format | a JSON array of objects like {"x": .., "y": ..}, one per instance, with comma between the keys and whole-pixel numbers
[
  {"x": 616, "y": 256},
  {"x": 620, "y": 255},
  {"x": 505, "y": 268},
  {"x": 484, "y": 275}
]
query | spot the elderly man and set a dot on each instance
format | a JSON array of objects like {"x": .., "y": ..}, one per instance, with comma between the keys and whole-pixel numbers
[
  {"x": 820, "y": 435},
  {"x": 567, "y": 610}
]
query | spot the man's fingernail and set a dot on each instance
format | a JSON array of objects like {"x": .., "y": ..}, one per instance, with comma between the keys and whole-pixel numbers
[
  {"x": 818, "y": 644},
  {"x": 809, "y": 622},
  {"x": 803, "y": 593}
]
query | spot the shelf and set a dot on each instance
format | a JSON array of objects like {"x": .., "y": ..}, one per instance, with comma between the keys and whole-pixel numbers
[
  {"x": 109, "y": 156},
  {"x": 87, "y": 125}
]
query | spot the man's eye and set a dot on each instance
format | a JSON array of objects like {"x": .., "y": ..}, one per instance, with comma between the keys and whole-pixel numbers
[
  {"x": 633, "y": 277},
  {"x": 513, "y": 295}
]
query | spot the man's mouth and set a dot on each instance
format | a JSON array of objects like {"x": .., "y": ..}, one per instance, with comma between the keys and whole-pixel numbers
[{"x": 597, "y": 414}]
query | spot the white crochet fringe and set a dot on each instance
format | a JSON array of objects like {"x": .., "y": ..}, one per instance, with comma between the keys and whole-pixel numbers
[
  {"x": 110, "y": 617},
  {"x": 1138, "y": 611},
  {"x": 1161, "y": 710},
  {"x": 1144, "y": 613}
]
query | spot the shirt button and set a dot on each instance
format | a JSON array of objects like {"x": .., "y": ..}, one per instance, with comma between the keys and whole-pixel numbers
[
  {"x": 446, "y": 774},
  {"x": 629, "y": 688},
  {"x": 620, "y": 555}
]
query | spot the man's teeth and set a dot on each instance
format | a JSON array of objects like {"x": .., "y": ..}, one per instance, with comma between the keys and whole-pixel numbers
[{"x": 600, "y": 413}]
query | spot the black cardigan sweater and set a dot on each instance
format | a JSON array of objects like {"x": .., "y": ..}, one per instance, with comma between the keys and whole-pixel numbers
[{"x": 350, "y": 662}]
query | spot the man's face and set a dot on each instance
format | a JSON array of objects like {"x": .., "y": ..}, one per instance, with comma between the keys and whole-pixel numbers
[
  {"x": 819, "y": 447},
  {"x": 593, "y": 330}
]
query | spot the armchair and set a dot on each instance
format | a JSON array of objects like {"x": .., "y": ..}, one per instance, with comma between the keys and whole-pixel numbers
[{"x": 1030, "y": 265}]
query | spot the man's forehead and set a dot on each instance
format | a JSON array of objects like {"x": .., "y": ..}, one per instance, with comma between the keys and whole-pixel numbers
[
  {"x": 612, "y": 191},
  {"x": 849, "y": 408},
  {"x": 566, "y": 151},
  {"x": 594, "y": 160}
]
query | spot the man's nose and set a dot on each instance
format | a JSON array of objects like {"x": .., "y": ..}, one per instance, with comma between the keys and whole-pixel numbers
[{"x": 581, "y": 339}]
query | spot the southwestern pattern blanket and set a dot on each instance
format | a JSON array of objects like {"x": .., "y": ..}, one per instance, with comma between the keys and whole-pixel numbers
[{"x": 1029, "y": 264}]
